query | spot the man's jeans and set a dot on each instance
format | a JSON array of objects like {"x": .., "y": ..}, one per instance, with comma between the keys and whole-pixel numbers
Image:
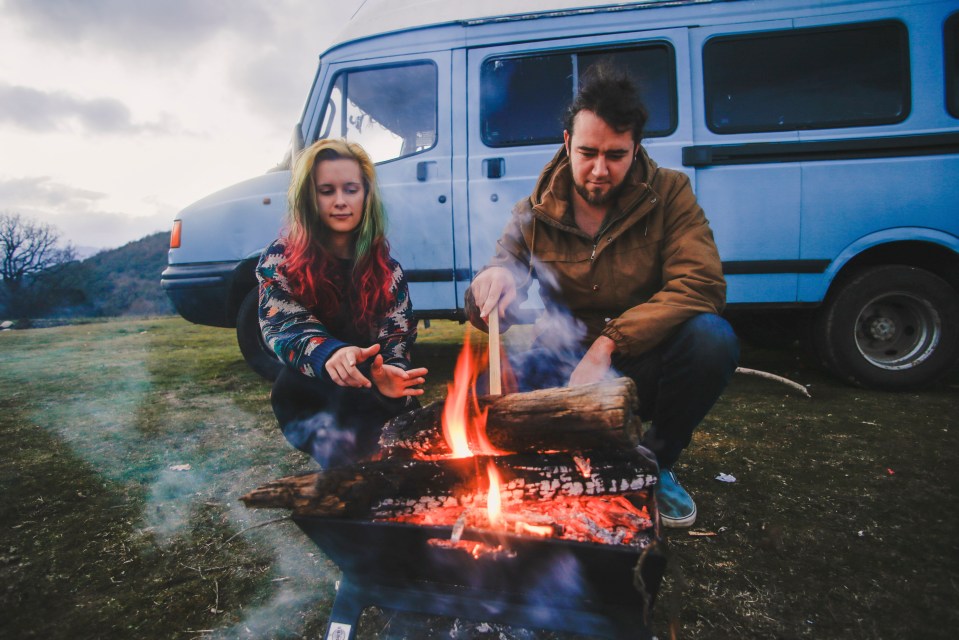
[{"x": 678, "y": 381}]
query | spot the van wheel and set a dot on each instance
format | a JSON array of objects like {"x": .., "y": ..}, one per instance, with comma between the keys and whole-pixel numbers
[
  {"x": 891, "y": 327},
  {"x": 255, "y": 351}
]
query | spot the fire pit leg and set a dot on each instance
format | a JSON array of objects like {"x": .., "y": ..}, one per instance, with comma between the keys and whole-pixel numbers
[{"x": 345, "y": 616}]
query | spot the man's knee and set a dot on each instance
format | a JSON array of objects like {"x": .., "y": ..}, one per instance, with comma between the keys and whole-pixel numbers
[{"x": 709, "y": 339}]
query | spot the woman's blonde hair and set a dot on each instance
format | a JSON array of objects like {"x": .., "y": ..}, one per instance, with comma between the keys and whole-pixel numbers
[
  {"x": 309, "y": 266},
  {"x": 306, "y": 228}
]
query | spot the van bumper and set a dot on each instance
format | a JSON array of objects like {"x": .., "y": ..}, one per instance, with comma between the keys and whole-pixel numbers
[{"x": 201, "y": 292}]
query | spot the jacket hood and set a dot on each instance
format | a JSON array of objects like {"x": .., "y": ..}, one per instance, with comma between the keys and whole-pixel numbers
[{"x": 551, "y": 195}]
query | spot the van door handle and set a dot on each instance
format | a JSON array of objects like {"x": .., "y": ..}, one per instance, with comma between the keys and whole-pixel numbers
[
  {"x": 495, "y": 167},
  {"x": 422, "y": 169}
]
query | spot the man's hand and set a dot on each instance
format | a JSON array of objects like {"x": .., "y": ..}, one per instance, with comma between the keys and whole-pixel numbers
[
  {"x": 491, "y": 287},
  {"x": 595, "y": 365},
  {"x": 342, "y": 365},
  {"x": 394, "y": 382}
]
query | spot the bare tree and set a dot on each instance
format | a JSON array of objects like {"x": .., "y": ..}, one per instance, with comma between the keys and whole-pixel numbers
[{"x": 27, "y": 249}]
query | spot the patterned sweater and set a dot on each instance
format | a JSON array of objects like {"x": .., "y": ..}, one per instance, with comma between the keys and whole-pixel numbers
[{"x": 303, "y": 342}]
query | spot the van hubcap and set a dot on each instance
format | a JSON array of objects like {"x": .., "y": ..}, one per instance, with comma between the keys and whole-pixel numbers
[{"x": 897, "y": 331}]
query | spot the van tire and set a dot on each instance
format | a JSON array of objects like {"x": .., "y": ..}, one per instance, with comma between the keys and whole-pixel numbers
[
  {"x": 256, "y": 352},
  {"x": 891, "y": 327}
]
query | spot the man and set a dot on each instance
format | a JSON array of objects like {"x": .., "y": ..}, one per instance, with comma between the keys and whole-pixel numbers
[{"x": 622, "y": 246}]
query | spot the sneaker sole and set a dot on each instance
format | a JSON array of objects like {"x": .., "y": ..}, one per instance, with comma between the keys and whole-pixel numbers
[{"x": 679, "y": 523}]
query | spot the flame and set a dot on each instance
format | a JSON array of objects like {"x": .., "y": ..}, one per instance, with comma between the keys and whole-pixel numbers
[
  {"x": 454, "y": 411},
  {"x": 494, "y": 502},
  {"x": 464, "y": 423}
]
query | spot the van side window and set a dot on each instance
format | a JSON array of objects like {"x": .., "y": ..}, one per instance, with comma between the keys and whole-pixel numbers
[
  {"x": 819, "y": 78},
  {"x": 523, "y": 100},
  {"x": 390, "y": 111},
  {"x": 952, "y": 64}
]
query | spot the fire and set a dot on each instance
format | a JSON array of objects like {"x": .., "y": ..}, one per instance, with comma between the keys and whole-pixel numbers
[
  {"x": 599, "y": 519},
  {"x": 494, "y": 502},
  {"x": 464, "y": 423}
]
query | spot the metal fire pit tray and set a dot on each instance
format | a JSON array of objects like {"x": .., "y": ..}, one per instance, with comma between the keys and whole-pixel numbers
[{"x": 537, "y": 583}]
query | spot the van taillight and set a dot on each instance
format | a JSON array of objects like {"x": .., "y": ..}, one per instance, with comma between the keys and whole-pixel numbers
[{"x": 175, "y": 235}]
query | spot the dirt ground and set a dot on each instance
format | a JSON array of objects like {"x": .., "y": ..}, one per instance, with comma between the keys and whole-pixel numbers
[{"x": 126, "y": 445}]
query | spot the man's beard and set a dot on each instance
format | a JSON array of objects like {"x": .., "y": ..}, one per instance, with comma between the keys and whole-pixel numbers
[{"x": 597, "y": 198}]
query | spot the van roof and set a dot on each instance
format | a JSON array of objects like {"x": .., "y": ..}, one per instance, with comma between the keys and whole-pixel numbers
[{"x": 385, "y": 16}]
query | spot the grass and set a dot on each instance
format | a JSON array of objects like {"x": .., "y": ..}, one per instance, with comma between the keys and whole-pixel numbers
[{"x": 841, "y": 524}]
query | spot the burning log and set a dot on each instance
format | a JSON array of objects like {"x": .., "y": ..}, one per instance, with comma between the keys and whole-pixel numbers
[
  {"x": 593, "y": 416},
  {"x": 389, "y": 489}
]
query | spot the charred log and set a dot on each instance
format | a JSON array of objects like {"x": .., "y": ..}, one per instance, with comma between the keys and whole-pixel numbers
[
  {"x": 392, "y": 488},
  {"x": 593, "y": 416}
]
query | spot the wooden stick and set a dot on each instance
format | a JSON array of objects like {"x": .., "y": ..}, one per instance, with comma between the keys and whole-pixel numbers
[
  {"x": 772, "y": 376},
  {"x": 495, "y": 374}
]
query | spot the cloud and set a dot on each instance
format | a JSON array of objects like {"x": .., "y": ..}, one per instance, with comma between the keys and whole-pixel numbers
[
  {"x": 143, "y": 27},
  {"x": 78, "y": 214},
  {"x": 46, "y": 111},
  {"x": 94, "y": 230},
  {"x": 42, "y": 191}
]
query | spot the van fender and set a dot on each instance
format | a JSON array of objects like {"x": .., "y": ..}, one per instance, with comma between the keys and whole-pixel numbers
[{"x": 813, "y": 287}]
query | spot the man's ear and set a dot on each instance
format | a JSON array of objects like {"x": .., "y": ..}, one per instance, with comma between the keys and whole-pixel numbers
[{"x": 566, "y": 137}]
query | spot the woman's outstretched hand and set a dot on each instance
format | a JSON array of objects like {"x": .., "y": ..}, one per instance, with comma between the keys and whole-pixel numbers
[
  {"x": 394, "y": 382},
  {"x": 391, "y": 381},
  {"x": 342, "y": 365}
]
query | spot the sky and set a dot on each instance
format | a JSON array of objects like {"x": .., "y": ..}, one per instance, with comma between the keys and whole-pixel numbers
[{"x": 116, "y": 114}]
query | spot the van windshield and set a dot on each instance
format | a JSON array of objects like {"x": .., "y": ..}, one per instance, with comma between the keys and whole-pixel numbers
[{"x": 390, "y": 111}]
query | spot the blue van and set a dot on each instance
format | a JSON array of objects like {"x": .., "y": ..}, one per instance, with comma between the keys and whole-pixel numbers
[{"x": 821, "y": 137}]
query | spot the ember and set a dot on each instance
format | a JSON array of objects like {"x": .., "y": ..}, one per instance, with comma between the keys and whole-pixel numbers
[{"x": 605, "y": 519}]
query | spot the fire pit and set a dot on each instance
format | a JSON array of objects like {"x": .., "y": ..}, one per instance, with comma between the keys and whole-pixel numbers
[{"x": 450, "y": 520}]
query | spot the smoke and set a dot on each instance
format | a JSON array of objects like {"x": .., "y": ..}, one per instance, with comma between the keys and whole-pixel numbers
[
  {"x": 324, "y": 438},
  {"x": 183, "y": 453}
]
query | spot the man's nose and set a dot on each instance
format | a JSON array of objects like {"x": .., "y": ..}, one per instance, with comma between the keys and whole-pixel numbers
[{"x": 599, "y": 166}]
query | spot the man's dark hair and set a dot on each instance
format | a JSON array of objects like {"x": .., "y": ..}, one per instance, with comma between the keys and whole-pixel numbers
[{"x": 612, "y": 95}]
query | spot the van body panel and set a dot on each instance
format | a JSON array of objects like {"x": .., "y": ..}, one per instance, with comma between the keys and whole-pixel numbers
[
  {"x": 753, "y": 209},
  {"x": 233, "y": 223},
  {"x": 849, "y": 199},
  {"x": 462, "y": 259},
  {"x": 754, "y": 214},
  {"x": 813, "y": 287}
]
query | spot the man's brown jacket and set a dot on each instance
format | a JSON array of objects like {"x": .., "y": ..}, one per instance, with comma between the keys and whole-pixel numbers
[{"x": 652, "y": 265}]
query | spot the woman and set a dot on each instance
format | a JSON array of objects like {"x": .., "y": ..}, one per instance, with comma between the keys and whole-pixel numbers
[{"x": 335, "y": 308}]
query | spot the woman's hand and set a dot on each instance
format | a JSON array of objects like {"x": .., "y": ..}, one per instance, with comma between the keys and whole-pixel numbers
[
  {"x": 394, "y": 382},
  {"x": 342, "y": 365}
]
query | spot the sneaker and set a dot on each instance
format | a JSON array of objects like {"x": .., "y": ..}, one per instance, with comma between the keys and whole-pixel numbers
[{"x": 676, "y": 507}]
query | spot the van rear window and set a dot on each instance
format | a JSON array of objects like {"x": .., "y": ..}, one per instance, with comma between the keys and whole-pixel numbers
[
  {"x": 390, "y": 111},
  {"x": 952, "y": 64},
  {"x": 523, "y": 99},
  {"x": 807, "y": 78}
]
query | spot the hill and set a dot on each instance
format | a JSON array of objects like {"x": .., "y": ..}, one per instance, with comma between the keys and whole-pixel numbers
[
  {"x": 126, "y": 280},
  {"x": 117, "y": 282}
]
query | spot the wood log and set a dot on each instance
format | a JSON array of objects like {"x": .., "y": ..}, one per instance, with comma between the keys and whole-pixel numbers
[
  {"x": 390, "y": 488},
  {"x": 594, "y": 416}
]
